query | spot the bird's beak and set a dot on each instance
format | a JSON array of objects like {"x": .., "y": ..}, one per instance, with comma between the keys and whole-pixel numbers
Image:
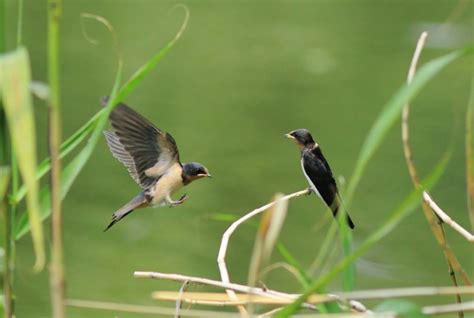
[
  {"x": 205, "y": 175},
  {"x": 289, "y": 136}
]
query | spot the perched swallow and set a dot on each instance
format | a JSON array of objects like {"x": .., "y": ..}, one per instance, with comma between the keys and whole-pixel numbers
[
  {"x": 317, "y": 171},
  {"x": 152, "y": 159}
]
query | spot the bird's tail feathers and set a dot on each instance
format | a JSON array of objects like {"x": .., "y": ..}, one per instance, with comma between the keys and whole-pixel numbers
[
  {"x": 136, "y": 202},
  {"x": 335, "y": 208}
]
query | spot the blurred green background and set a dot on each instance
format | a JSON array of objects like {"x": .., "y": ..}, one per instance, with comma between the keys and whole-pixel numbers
[{"x": 243, "y": 74}]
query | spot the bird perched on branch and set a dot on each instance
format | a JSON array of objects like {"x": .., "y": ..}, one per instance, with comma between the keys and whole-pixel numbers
[
  {"x": 317, "y": 171},
  {"x": 152, "y": 159}
]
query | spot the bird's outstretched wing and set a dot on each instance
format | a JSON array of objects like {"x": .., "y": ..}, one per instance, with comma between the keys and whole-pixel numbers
[{"x": 145, "y": 150}]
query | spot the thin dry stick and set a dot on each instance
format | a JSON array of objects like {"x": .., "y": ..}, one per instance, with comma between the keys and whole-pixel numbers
[
  {"x": 405, "y": 292},
  {"x": 225, "y": 241},
  {"x": 447, "y": 219},
  {"x": 92, "y": 304},
  {"x": 218, "y": 299},
  {"x": 222, "y": 299},
  {"x": 436, "y": 227},
  {"x": 228, "y": 286},
  {"x": 406, "y": 113},
  {"x": 314, "y": 299},
  {"x": 448, "y": 309},
  {"x": 270, "y": 313},
  {"x": 183, "y": 288}
]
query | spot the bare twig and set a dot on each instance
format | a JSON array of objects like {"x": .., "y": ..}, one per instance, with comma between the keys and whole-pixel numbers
[
  {"x": 405, "y": 292},
  {"x": 270, "y": 313},
  {"x": 91, "y": 304},
  {"x": 406, "y": 113},
  {"x": 179, "y": 299},
  {"x": 218, "y": 299},
  {"x": 225, "y": 241},
  {"x": 437, "y": 228},
  {"x": 228, "y": 286},
  {"x": 447, "y": 219},
  {"x": 221, "y": 299},
  {"x": 448, "y": 309}
]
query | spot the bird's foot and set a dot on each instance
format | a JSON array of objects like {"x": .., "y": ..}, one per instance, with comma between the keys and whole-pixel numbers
[
  {"x": 310, "y": 190},
  {"x": 183, "y": 198}
]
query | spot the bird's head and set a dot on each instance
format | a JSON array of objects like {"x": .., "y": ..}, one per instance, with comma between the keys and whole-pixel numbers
[
  {"x": 193, "y": 171},
  {"x": 302, "y": 137}
]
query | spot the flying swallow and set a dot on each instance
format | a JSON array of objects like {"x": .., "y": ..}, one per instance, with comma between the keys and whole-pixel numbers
[
  {"x": 151, "y": 157},
  {"x": 317, "y": 171}
]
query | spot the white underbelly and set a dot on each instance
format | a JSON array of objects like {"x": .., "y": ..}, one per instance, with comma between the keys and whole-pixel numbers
[
  {"x": 313, "y": 187},
  {"x": 168, "y": 184}
]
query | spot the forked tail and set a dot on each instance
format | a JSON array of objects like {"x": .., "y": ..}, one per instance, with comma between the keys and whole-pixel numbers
[
  {"x": 335, "y": 208},
  {"x": 136, "y": 202}
]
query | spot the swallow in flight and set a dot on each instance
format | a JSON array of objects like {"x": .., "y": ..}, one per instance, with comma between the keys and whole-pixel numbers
[
  {"x": 151, "y": 157},
  {"x": 317, "y": 171}
]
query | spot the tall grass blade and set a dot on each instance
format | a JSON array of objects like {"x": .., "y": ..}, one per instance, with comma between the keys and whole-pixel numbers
[
  {"x": 392, "y": 110},
  {"x": 389, "y": 115},
  {"x": 5, "y": 243},
  {"x": 470, "y": 154},
  {"x": 71, "y": 171},
  {"x": 402, "y": 211},
  {"x": 4, "y": 180},
  {"x": 56, "y": 265},
  {"x": 267, "y": 234},
  {"x": 303, "y": 277},
  {"x": 66, "y": 147},
  {"x": 402, "y": 308},
  {"x": 145, "y": 69},
  {"x": 15, "y": 81},
  {"x": 4, "y": 177},
  {"x": 345, "y": 236},
  {"x": 98, "y": 122}
]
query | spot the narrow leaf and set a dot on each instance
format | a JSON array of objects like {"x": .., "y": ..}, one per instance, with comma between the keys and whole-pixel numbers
[
  {"x": 145, "y": 69},
  {"x": 267, "y": 234},
  {"x": 403, "y": 210},
  {"x": 403, "y": 308},
  {"x": 470, "y": 155},
  {"x": 290, "y": 259},
  {"x": 66, "y": 147},
  {"x": 392, "y": 110},
  {"x": 4, "y": 180},
  {"x": 4, "y": 177},
  {"x": 15, "y": 82},
  {"x": 73, "y": 169}
]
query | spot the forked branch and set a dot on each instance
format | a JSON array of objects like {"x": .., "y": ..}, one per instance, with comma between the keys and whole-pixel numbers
[{"x": 446, "y": 218}]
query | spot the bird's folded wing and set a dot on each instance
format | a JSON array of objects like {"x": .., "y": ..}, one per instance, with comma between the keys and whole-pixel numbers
[{"x": 145, "y": 150}]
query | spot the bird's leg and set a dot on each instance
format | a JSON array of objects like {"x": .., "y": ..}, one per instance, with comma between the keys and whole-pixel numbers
[
  {"x": 172, "y": 203},
  {"x": 310, "y": 190}
]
